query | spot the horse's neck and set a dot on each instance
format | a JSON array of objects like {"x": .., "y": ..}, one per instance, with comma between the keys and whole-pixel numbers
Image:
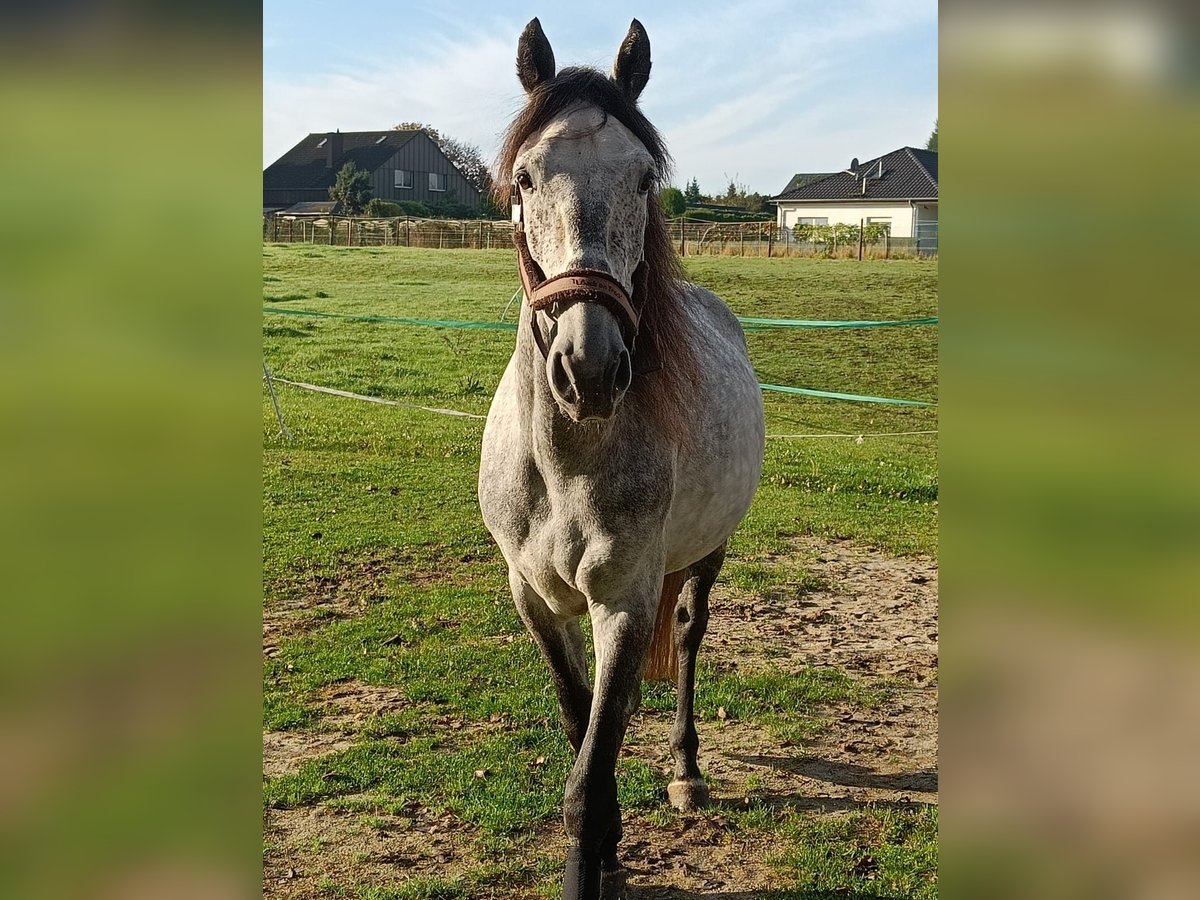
[{"x": 559, "y": 446}]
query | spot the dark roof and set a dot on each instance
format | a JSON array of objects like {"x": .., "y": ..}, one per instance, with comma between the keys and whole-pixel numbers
[
  {"x": 800, "y": 179},
  {"x": 305, "y": 167},
  {"x": 908, "y": 174}
]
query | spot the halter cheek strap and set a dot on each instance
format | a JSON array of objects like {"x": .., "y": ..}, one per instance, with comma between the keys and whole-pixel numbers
[{"x": 578, "y": 285}]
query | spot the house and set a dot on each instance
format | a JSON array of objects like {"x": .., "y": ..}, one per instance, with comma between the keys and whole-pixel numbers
[
  {"x": 404, "y": 165},
  {"x": 899, "y": 189}
]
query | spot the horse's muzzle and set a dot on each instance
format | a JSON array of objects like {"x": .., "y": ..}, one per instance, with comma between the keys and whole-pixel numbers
[{"x": 589, "y": 388}]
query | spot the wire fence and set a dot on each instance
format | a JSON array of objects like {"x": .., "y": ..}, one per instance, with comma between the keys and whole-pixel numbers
[
  {"x": 355, "y": 231},
  {"x": 691, "y": 237}
]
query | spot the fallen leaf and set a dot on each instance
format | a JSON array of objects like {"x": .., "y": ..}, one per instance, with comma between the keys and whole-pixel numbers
[
  {"x": 481, "y": 773},
  {"x": 722, "y": 714}
]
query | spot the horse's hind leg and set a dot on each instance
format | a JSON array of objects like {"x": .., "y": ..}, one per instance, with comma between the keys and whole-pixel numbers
[{"x": 688, "y": 790}]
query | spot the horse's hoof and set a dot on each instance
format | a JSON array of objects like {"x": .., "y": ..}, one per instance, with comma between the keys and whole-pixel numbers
[
  {"x": 688, "y": 794},
  {"x": 612, "y": 884}
]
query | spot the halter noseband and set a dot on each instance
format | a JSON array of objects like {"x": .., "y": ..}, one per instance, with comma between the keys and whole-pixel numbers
[{"x": 577, "y": 285}]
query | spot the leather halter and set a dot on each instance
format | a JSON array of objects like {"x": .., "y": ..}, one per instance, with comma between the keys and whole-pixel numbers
[{"x": 577, "y": 285}]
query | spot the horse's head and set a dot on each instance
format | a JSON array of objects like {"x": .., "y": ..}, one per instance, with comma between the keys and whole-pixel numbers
[{"x": 584, "y": 182}]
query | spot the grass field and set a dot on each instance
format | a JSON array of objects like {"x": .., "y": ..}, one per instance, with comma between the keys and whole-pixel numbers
[{"x": 412, "y": 744}]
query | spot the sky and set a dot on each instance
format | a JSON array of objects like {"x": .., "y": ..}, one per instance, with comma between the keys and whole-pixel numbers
[{"x": 750, "y": 92}]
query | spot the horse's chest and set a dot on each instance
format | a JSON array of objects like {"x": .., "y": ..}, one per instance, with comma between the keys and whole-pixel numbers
[{"x": 570, "y": 548}]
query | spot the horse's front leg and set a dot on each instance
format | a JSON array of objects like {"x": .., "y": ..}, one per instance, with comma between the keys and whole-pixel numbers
[
  {"x": 561, "y": 643},
  {"x": 622, "y": 631}
]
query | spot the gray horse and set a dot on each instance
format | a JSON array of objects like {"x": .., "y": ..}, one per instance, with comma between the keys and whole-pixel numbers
[{"x": 625, "y": 441}]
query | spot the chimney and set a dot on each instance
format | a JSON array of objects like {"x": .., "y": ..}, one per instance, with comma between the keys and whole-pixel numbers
[{"x": 333, "y": 148}]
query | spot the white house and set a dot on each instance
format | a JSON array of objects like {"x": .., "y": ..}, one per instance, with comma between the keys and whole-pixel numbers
[{"x": 899, "y": 189}]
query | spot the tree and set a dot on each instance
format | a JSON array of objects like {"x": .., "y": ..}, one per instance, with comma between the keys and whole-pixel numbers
[
  {"x": 672, "y": 201},
  {"x": 931, "y": 144},
  {"x": 756, "y": 202},
  {"x": 692, "y": 193},
  {"x": 352, "y": 188}
]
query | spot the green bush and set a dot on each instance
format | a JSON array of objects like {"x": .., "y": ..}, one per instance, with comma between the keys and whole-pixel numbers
[
  {"x": 840, "y": 233},
  {"x": 720, "y": 215},
  {"x": 393, "y": 209},
  {"x": 382, "y": 209},
  {"x": 414, "y": 208},
  {"x": 450, "y": 209}
]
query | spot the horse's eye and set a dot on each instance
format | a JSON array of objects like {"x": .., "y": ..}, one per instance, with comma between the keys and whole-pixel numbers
[
  {"x": 647, "y": 180},
  {"x": 524, "y": 182}
]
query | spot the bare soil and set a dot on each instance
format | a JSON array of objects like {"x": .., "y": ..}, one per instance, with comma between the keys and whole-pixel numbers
[{"x": 876, "y": 619}]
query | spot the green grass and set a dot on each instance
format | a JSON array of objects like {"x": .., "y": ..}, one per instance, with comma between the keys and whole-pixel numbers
[{"x": 374, "y": 547}]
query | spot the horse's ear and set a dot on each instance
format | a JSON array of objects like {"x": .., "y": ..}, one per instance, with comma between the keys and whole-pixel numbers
[
  {"x": 535, "y": 59},
  {"x": 631, "y": 70}
]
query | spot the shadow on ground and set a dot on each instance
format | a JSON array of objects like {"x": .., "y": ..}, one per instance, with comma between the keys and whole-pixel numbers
[
  {"x": 848, "y": 774},
  {"x": 653, "y": 893}
]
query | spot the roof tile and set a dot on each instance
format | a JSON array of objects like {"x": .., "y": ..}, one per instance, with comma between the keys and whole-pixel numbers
[
  {"x": 303, "y": 167},
  {"x": 908, "y": 174}
]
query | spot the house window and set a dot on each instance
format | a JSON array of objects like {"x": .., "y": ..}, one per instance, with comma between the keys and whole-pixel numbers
[
  {"x": 810, "y": 220},
  {"x": 880, "y": 220},
  {"x": 437, "y": 181},
  {"x": 404, "y": 179}
]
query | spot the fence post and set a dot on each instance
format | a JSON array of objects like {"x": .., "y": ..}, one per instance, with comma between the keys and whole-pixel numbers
[
  {"x": 860, "y": 238},
  {"x": 407, "y": 233},
  {"x": 887, "y": 243},
  {"x": 742, "y": 241},
  {"x": 682, "y": 239},
  {"x": 770, "y": 240}
]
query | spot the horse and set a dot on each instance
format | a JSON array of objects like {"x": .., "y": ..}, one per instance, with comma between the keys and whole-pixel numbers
[{"x": 624, "y": 442}]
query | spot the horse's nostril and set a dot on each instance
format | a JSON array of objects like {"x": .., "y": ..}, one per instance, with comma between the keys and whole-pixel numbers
[
  {"x": 624, "y": 374},
  {"x": 560, "y": 379}
]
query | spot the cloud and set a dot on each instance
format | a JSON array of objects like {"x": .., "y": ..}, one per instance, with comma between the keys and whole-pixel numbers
[
  {"x": 757, "y": 90},
  {"x": 453, "y": 86}
]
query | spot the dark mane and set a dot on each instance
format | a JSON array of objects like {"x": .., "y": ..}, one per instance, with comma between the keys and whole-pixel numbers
[{"x": 664, "y": 344}]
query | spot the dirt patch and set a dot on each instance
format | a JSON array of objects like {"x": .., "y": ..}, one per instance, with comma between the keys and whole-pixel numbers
[
  {"x": 306, "y": 598},
  {"x": 299, "y": 601},
  {"x": 879, "y": 617},
  {"x": 696, "y": 853},
  {"x": 877, "y": 620},
  {"x": 348, "y": 705},
  {"x": 310, "y": 848},
  {"x": 284, "y": 752}
]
